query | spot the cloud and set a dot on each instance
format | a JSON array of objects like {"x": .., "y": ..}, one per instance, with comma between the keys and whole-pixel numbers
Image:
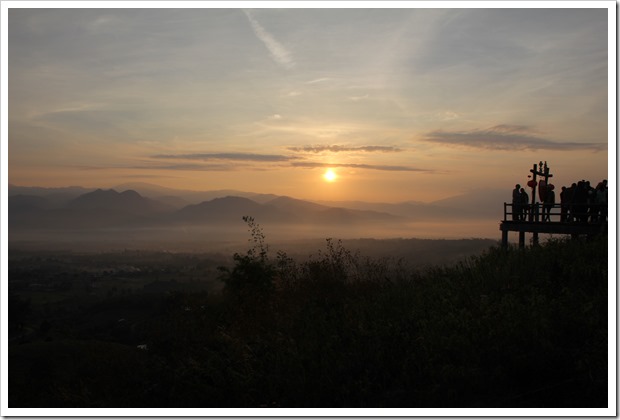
[
  {"x": 190, "y": 167},
  {"x": 279, "y": 53},
  {"x": 358, "y": 166},
  {"x": 245, "y": 157},
  {"x": 233, "y": 161},
  {"x": 336, "y": 148},
  {"x": 358, "y": 98},
  {"x": 506, "y": 137},
  {"x": 157, "y": 166},
  {"x": 315, "y": 81}
]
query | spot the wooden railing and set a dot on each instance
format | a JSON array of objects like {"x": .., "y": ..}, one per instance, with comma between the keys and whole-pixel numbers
[{"x": 555, "y": 213}]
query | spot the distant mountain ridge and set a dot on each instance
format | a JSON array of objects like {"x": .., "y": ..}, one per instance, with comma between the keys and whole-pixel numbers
[
  {"x": 151, "y": 205},
  {"x": 110, "y": 208},
  {"x": 129, "y": 201}
]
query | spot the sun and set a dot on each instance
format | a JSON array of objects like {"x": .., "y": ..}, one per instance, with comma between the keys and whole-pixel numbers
[{"x": 330, "y": 175}]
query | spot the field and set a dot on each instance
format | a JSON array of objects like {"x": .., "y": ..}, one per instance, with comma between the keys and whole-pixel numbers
[{"x": 503, "y": 328}]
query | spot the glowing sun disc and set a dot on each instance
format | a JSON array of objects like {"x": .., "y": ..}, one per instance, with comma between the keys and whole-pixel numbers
[{"x": 330, "y": 175}]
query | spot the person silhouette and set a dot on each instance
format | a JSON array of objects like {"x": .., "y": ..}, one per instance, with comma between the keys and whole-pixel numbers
[
  {"x": 564, "y": 205},
  {"x": 516, "y": 203},
  {"x": 548, "y": 204},
  {"x": 525, "y": 207}
]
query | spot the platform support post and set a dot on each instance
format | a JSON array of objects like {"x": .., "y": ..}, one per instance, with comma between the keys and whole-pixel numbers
[{"x": 521, "y": 239}]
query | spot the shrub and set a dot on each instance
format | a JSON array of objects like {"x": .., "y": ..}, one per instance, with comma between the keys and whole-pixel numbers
[{"x": 252, "y": 273}]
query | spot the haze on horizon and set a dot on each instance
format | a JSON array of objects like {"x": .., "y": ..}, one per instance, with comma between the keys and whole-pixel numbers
[{"x": 401, "y": 104}]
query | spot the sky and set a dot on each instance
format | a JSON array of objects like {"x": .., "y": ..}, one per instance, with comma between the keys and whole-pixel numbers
[{"x": 401, "y": 104}]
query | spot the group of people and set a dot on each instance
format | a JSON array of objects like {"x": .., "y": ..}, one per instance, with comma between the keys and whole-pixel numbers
[
  {"x": 580, "y": 202},
  {"x": 583, "y": 203}
]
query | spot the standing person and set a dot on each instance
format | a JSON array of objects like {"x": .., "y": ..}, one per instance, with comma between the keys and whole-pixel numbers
[
  {"x": 516, "y": 203},
  {"x": 570, "y": 202},
  {"x": 564, "y": 205},
  {"x": 549, "y": 203},
  {"x": 525, "y": 199},
  {"x": 601, "y": 201},
  {"x": 580, "y": 202}
]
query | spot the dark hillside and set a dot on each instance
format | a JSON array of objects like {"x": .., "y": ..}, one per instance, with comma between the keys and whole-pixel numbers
[{"x": 508, "y": 328}]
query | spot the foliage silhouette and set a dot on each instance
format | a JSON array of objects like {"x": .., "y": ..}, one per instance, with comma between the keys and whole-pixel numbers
[
  {"x": 253, "y": 273},
  {"x": 508, "y": 328}
]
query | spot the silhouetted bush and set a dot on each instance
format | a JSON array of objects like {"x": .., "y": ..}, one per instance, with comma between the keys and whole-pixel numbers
[{"x": 253, "y": 273}]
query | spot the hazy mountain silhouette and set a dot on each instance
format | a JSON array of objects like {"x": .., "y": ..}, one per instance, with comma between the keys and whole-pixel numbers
[
  {"x": 173, "y": 201},
  {"x": 44, "y": 191},
  {"x": 21, "y": 203},
  {"x": 96, "y": 209},
  {"x": 63, "y": 208},
  {"x": 56, "y": 197},
  {"x": 189, "y": 196},
  {"x": 227, "y": 209},
  {"x": 24, "y": 208},
  {"x": 294, "y": 205},
  {"x": 485, "y": 203},
  {"x": 308, "y": 212},
  {"x": 476, "y": 204},
  {"x": 129, "y": 202}
]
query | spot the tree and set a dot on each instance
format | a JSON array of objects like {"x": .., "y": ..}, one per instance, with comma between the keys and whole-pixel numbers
[{"x": 253, "y": 273}]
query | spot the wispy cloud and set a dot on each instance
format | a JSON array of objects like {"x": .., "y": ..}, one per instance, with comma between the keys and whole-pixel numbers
[
  {"x": 358, "y": 166},
  {"x": 358, "y": 98},
  {"x": 319, "y": 80},
  {"x": 506, "y": 137},
  {"x": 245, "y": 157},
  {"x": 279, "y": 53},
  {"x": 232, "y": 161},
  {"x": 191, "y": 167},
  {"x": 336, "y": 148}
]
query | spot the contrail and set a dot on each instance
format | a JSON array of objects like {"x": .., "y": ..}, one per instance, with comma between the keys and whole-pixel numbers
[{"x": 280, "y": 54}]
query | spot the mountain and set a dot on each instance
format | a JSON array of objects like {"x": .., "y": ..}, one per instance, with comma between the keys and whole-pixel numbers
[
  {"x": 56, "y": 197},
  {"x": 24, "y": 203},
  {"x": 96, "y": 209},
  {"x": 131, "y": 212},
  {"x": 309, "y": 212},
  {"x": 475, "y": 204},
  {"x": 129, "y": 202},
  {"x": 44, "y": 191},
  {"x": 227, "y": 209},
  {"x": 293, "y": 205},
  {"x": 189, "y": 196},
  {"x": 23, "y": 208},
  {"x": 484, "y": 203},
  {"x": 173, "y": 201}
]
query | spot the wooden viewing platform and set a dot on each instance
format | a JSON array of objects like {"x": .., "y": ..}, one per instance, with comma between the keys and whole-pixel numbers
[{"x": 588, "y": 220}]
